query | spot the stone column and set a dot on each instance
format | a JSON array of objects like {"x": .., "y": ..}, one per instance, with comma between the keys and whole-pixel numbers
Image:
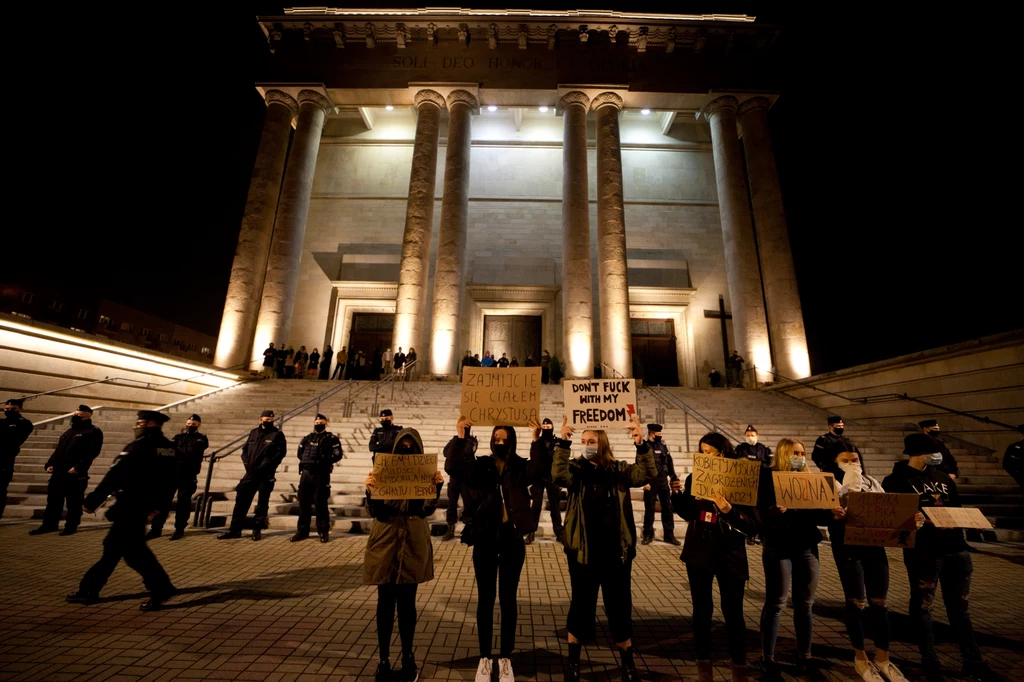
[
  {"x": 451, "y": 240},
  {"x": 577, "y": 297},
  {"x": 419, "y": 222},
  {"x": 242, "y": 304},
  {"x": 785, "y": 315},
  {"x": 741, "y": 266},
  {"x": 616, "y": 341},
  {"x": 275, "y": 319}
]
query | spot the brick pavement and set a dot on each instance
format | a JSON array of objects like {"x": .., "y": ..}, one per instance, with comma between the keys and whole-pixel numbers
[{"x": 280, "y": 611}]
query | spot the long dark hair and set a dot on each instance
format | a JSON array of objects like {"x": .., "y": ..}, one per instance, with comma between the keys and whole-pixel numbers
[
  {"x": 720, "y": 443},
  {"x": 511, "y": 440}
]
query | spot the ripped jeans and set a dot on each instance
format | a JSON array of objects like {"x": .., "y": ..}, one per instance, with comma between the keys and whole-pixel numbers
[
  {"x": 864, "y": 573},
  {"x": 953, "y": 572}
]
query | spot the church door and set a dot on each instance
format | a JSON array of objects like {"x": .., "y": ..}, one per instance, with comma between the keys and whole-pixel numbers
[
  {"x": 515, "y": 335},
  {"x": 654, "y": 352}
]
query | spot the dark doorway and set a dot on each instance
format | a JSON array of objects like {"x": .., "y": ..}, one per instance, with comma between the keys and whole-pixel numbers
[
  {"x": 370, "y": 330},
  {"x": 654, "y": 352},
  {"x": 515, "y": 335}
]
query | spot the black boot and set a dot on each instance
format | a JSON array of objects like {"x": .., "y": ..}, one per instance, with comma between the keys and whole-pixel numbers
[
  {"x": 450, "y": 534},
  {"x": 324, "y": 537},
  {"x": 177, "y": 534},
  {"x": 154, "y": 533},
  {"x": 626, "y": 667},
  {"x": 572, "y": 670},
  {"x": 648, "y": 539}
]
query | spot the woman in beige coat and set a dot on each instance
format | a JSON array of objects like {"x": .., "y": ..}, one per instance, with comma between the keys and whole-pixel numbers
[{"x": 399, "y": 557}]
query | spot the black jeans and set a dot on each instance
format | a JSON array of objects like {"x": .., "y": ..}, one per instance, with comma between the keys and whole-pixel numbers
[
  {"x": 731, "y": 589},
  {"x": 244, "y": 492},
  {"x": 498, "y": 563},
  {"x": 615, "y": 579},
  {"x": 182, "y": 506},
  {"x": 864, "y": 574},
  {"x": 554, "y": 504},
  {"x": 953, "y": 572},
  {"x": 61, "y": 489},
  {"x": 314, "y": 486},
  {"x": 668, "y": 524},
  {"x": 5, "y": 480},
  {"x": 127, "y": 540},
  {"x": 455, "y": 491},
  {"x": 782, "y": 569},
  {"x": 389, "y": 597}
]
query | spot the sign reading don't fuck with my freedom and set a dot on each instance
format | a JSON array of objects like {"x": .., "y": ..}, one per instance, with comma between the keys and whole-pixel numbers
[{"x": 599, "y": 403}]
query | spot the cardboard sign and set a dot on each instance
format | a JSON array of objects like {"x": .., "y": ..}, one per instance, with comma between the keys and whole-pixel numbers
[
  {"x": 736, "y": 479},
  {"x": 404, "y": 477},
  {"x": 494, "y": 396},
  {"x": 804, "y": 490},
  {"x": 600, "y": 403},
  {"x": 956, "y": 517},
  {"x": 881, "y": 519}
]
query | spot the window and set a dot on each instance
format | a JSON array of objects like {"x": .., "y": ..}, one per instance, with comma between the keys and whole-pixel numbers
[
  {"x": 82, "y": 314},
  {"x": 145, "y": 332},
  {"x": 56, "y": 306},
  {"x": 127, "y": 327},
  {"x": 205, "y": 351},
  {"x": 28, "y": 297},
  {"x": 177, "y": 342},
  {"x": 104, "y": 321},
  {"x": 163, "y": 338}
]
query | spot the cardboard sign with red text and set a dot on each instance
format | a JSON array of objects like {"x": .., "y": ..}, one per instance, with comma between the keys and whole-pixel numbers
[{"x": 881, "y": 519}]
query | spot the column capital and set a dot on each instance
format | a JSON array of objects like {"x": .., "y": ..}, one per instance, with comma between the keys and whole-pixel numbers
[
  {"x": 725, "y": 103},
  {"x": 753, "y": 103},
  {"x": 283, "y": 98},
  {"x": 606, "y": 99},
  {"x": 315, "y": 98},
  {"x": 429, "y": 97},
  {"x": 463, "y": 97},
  {"x": 571, "y": 98}
]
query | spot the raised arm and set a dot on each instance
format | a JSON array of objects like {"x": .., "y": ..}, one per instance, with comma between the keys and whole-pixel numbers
[
  {"x": 561, "y": 471},
  {"x": 458, "y": 456}
]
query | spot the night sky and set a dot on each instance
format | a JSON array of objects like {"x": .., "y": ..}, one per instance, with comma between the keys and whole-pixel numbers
[{"x": 145, "y": 161}]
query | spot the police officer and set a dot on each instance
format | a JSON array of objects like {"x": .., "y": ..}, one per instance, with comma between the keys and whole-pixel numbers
[
  {"x": 831, "y": 444},
  {"x": 455, "y": 488},
  {"x": 930, "y": 427},
  {"x": 318, "y": 453},
  {"x": 753, "y": 450},
  {"x": 189, "y": 446},
  {"x": 546, "y": 440},
  {"x": 261, "y": 455},
  {"x": 14, "y": 429},
  {"x": 383, "y": 437},
  {"x": 142, "y": 478},
  {"x": 68, "y": 467},
  {"x": 658, "y": 488},
  {"x": 1013, "y": 458}
]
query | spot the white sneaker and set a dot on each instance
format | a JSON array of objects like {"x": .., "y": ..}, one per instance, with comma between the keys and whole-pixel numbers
[
  {"x": 483, "y": 670},
  {"x": 866, "y": 669},
  {"x": 890, "y": 672},
  {"x": 505, "y": 670}
]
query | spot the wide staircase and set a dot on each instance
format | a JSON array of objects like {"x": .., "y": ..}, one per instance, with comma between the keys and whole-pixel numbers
[{"x": 433, "y": 409}]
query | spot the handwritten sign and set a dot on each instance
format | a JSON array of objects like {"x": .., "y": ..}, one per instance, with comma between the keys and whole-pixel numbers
[
  {"x": 736, "y": 479},
  {"x": 804, "y": 490},
  {"x": 404, "y": 477},
  {"x": 881, "y": 519},
  {"x": 956, "y": 517},
  {"x": 600, "y": 403},
  {"x": 501, "y": 395}
]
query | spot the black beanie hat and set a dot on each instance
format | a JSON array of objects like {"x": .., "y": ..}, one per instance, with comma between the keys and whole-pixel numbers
[
  {"x": 547, "y": 421},
  {"x": 196, "y": 418}
]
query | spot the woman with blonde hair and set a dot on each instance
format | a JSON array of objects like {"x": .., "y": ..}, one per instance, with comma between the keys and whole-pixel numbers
[
  {"x": 600, "y": 538},
  {"x": 790, "y": 559}
]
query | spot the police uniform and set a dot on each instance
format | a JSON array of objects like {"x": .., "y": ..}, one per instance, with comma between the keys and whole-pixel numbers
[
  {"x": 547, "y": 453},
  {"x": 829, "y": 445},
  {"x": 383, "y": 437},
  {"x": 262, "y": 452},
  {"x": 318, "y": 453},
  {"x": 758, "y": 452},
  {"x": 14, "y": 430},
  {"x": 142, "y": 478},
  {"x": 188, "y": 449},
  {"x": 76, "y": 449},
  {"x": 659, "y": 489},
  {"x": 1013, "y": 459}
]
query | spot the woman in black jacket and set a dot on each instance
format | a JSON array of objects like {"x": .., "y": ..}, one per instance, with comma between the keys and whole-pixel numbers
[
  {"x": 715, "y": 548},
  {"x": 497, "y": 515}
]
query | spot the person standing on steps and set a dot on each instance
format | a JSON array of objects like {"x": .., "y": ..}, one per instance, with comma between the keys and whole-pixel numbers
[
  {"x": 340, "y": 366},
  {"x": 262, "y": 453},
  {"x": 314, "y": 363},
  {"x": 497, "y": 515},
  {"x": 399, "y": 361},
  {"x": 546, "y": 440},
  {"x": 545, "y": 367},
  {"x": 189, "y": 446},
  {"x": 324, "y": 371},
  {"x": 14, "y": 431},
  {"x": 318, "y": 453},
  {"x": 389, "y": 362},
  {"x": 269, "y": 359},
  {"x": 930, "y": 427},
  {"x": 455, "y": 488},
  {"x": 714, "y": 550},
  {"x": 600, "y": 538},
  {"x": 142, "y": 478},
  {"x": 753, "y": 450},
  {"x": 829, "y": 445},
  {"x": 68, "y": 467},
  {"x": 398, "y": 557},
  {"x": 383, "y": 437},
  {"x": 658, "y": 489},
  {"x": 1013, "y": 458}
]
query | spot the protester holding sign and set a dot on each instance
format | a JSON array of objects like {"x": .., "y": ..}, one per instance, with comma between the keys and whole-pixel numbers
[
  {"x": 940, "y": 555},
  {"x": 864, "y": 574},
  {"x": 790, "y": 556},
  {"x": 398, "y": 557},
  {"x": 497, "y": 515},
  {"x": 714, "y": 548},
  {"x": 598, "y": 556}
]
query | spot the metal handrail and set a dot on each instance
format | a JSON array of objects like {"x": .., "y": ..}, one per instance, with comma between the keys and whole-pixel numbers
[
  {"x": 884, "y": 397},
  {"x": 667, "y": 398},
  {"x": 616, "y": 374}
]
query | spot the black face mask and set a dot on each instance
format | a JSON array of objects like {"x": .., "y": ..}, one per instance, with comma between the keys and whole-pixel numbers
[
  {"x": 192, "y": 429},
  {"x": 657, "y": 439},
  {"x": 404, "y": 449},
  {"x": 319, "y": 427},
  {"x": 838, "y": 430},
  {"x": 385, "y": 423},
  {"x": 78, "y": 422},
  {"x": 266, "y": 425},
  {"x": 10, "y": 414},
  {"x": 501, "y": 450},
  {"x": 547, "y": 434}
]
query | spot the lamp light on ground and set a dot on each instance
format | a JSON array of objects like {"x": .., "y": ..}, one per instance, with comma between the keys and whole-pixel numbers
[
  {"x": 645, "y": 112},
  {"x": 389, "y": 108},
  {"x": 542, "y": 110},
  {"x": 492, "y": 108}
]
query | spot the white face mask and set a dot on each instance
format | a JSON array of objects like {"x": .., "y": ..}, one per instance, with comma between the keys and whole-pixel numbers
[
  {"x": 849, "y": 467},
  {"x": 752, "y": 440},
  {"x": 590, "y": 451}
]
